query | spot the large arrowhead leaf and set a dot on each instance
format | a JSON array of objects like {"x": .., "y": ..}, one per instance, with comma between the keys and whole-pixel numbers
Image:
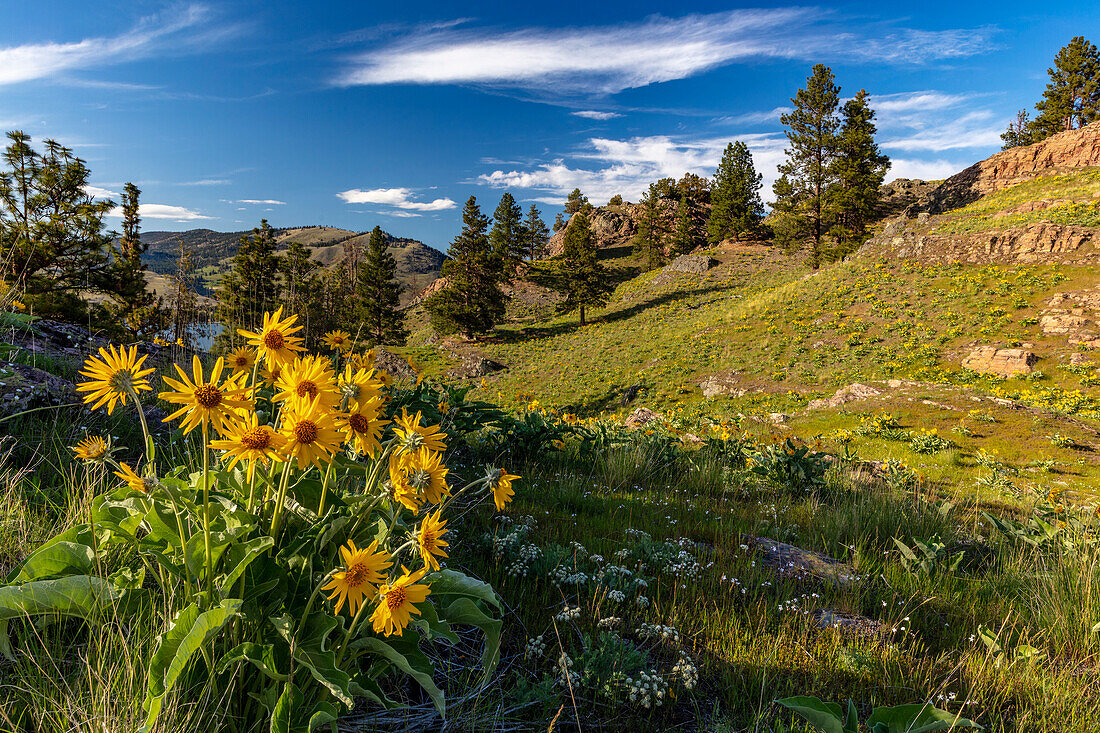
[
  {"x": 466, "y": 611},
  {"x": 916, "y": 718},
  {"x": 56, "y": 560},
  {"x": 82, "y": 596},
  {"x": 410, "y": 660},
  {"x": 80, "y": 535},
  {"x": 824, "y": 716},
  {"x": 454, "y": 583},
  {"x": 188, "y": 634},
  {"x": 310, "y": 650}
]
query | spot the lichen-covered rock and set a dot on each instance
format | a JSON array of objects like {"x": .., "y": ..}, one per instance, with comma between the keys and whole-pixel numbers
[
  {"x": 641, "y": 417},
  {"x": 691, "y": 264},
  {"x": 851, "y": 393},
  {"x": 725, "y": 384},
  {"x": 1001, "y": 362},
  {"x": 795, "y": 562}
]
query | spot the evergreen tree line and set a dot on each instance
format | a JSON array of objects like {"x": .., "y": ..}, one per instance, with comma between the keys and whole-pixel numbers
[
  {"x": 58, "y": 257},
  {"x": 1071, "y": 98},
  {"x": 360, "y": 294}
]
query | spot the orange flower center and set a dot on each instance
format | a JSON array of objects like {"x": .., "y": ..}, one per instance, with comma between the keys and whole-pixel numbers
[
  {"x": 208, "y": 396},
  {"x": 396, "y": 598},
  {"x": 427, "y": 539},
  {"x": 257, "y": 438},
  {"x": 305, "y": 431},
  {"x": 358, "y": 423},
  {"x": 356, "y": 575},
  {"x": 240, "y": 362},
  {"x": 307, "y": 388},
  {"x": 274, "y": 340}
]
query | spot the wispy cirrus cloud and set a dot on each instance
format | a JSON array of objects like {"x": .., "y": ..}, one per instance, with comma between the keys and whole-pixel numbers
[
  {"x": 34, "y": 61},
  {"x": 163, "y": 211},
  {"x": 592, "y": 114},
  {"x": 260, "y": 202},
  {"x": 609, "y": 59},
  {"x": 399, "y": 198},
  {"x": 977, "y": 129},
  {"x": 97, "y": 192}
]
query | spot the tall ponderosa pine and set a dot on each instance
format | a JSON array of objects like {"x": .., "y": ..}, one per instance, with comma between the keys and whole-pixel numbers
[
  {"x": 736, "y": 208},
  {"x": 1072, "y": 97},
  {"x": 135, "y": 309},
  {"x": 559, "y": 222},
  {"x": 649, "y": 240},
  {"x": 580, "y": 277},
  {"x": 508, "y": 238},
  {"x": 536, "y": 234},
  {"x": 251, "y": 287},
  {"x": 380, "y": 294},
  {"x": 53, "y": 245},
  {"x": 472, "y": 302},
  {"x": 576, "y": 201},
  {"x": 298, "y": 270},
  {"x": 858, "y": 170},
  {"x": 802, "y": 189},
  {"x": 688, "y": 234},
  {"x": 1019, "y": 132}
]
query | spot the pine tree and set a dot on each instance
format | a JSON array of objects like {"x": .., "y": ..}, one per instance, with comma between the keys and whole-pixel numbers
[
  {"x": 616, "y": 200},
  {"x": 134, "y": 309},
  {"x": 297, "y": 268},
  {"x": 736, "y": 208},
  {"x": 380, "y": 294},
  {"x": 251, "y": 287},
  {"x": 688, "y": 234},
  {"x": 559, "y": 222},
  {"x": 536, "y": 234},
  {"x": 858, "y": 169},
  {"x": 53, "y": 244},
  {"x": 1019, "y": 132},
  {"x": 472, "y": 302},
  {"x": 508, "y": 237},
  {"x": 580, "y": 276},
  {"x": 184, "y": 300},
  {"x": 576, "y": 201},
  {"x": 1072, "y": 97},
  {"x": 811, "y": 134},
  {"x": 649, "y": 240}
]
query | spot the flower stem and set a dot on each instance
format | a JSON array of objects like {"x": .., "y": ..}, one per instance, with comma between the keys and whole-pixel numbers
[
  {"x": 206, "y": 510},
  {"x": 324, "y": 490}
]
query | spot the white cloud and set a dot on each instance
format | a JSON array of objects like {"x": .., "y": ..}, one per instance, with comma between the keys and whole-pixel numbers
[
  {"x": 592, "y": 114},
  {"x": 922, "y": 101},
  {"x": 207, "y": 182},
  {"x": 609, "y": 59},
  {"x": 928, "y": 170},
  {"x": 163, "y": 211},
  {"x": 42, "y": 60},
  {"x": 627, "y": 167},
  {"x": 973, "y": 130},
  {"x": 401, "y": 214},
  {"x": 396, "y": 197},
  {"x": 99, "y": 193},
  {"x": 754, "y": 118},
  {"x": 269, "y": 202}
]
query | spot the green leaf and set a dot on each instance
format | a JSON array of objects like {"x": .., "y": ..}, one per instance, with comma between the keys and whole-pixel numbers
[
  {"x": 824, "y": 716},
  {"x": 282, "y": 718},
  {"x": 176, "y": 646},
  {"x": 80, "y": 535},
  {"x": 260, "y": 656},
  {"x": 56, "y": 560},
  {"x": 916, "y": 718},
  {"x": 466, "y": 611},
  {"x": 83, "y": 596},
  {"x": 240, "y": 556},
  {"x": 310, "y": 649},
  {"x": 453, "y": 583},
  {"x": 410, "y": 661}
]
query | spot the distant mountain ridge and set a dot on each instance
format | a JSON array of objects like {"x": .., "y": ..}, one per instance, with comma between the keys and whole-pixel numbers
[{"x": 418, "y": 264}]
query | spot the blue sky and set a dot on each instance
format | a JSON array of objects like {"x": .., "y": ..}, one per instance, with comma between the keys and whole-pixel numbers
[{"x": 357, "y": 114}]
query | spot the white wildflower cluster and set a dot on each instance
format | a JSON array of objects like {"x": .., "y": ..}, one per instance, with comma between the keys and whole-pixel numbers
[
  {"x": 521, "y": 566},
  {"x": 642, "y": 602},
  {"x": 648, "y": 690},
  {"x": 566, "y": 675},
  {"x": 686, "y": 669},
  {"x": 622, "y": 553},
  {"x": 568, "y": 614},
  {"x": 611, "y": 622},
  {"x": 637, "y": 535},
  {"x": 596, "y": 559},
  {"x": 535, "y": 648},
  {"x": 578, "y": 549},
  {"x": 560, "y": 575},
  {"x": 657, "y": 631},
  {"x": 617, "y": 596},
  {"x": 684, "y": 565}
]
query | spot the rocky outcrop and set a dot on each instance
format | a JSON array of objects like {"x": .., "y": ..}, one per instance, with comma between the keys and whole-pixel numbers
[
  {"x": 851, "y": 393},
  {"x": 394, "y": 365},
  {"x": 1041, "y": 242},
  {"x": 901, "y": 193},
  {"x": 725, "y": 384},
  {"x": 1075, "y": 315},
  {"x": 692, "y": 264},
  {"x": 641, "y": 417},
  {"x": 614, "y": 226},
  {"x": 474, "y": 366},
  {"x": 1070, "y": 149},
  {"x": 1001, "y": 362},
  {"x": 436, "y": 285},
  {"x": 791, "y": 561}
]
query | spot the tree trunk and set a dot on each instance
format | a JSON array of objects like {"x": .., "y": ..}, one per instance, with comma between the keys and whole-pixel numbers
[{"x": 582, "y": 315}]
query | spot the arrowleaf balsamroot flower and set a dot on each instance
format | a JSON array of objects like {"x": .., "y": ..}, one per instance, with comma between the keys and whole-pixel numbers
[
  {"x": 306, "y": 379},
  {"x": 92, "y": 450},
  {"x": 362, "y": 427},
  {"x": 420, "y": 478},
  {"x": 135, "y": 482},
  {"x": 205, "y": 402},
  {"x": 241, "y": 359},
  {"x": 337, "y": 341},
  {"x": 311, "y": 433},
  {"x": 113, "y": 376},
  {"x": 395, "y": 602},
  {"x": 274, "y": 341},
  {"x": 500, "y": 482},
  {"x": 359, "y": 386},
  {"x": 412, "y": 436},
  {"x": 430, "y": 539},
  {"x": 247, "y": 440},
  {"x": 361, "y": 576}
]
